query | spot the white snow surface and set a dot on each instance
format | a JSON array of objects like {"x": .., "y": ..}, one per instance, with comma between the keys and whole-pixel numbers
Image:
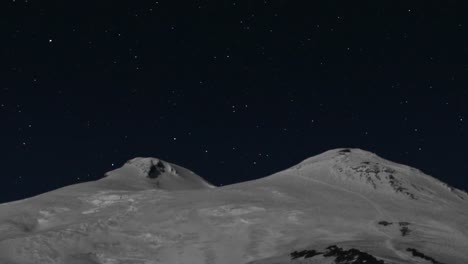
[{"x": 151, "y": 211}]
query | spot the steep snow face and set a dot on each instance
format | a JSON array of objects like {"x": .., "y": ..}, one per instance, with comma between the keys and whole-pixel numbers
[
  {"x": 155, "y": 173},
  {"x": 365, "y": 171}
]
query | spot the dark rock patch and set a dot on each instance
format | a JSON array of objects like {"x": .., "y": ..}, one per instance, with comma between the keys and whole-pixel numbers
[
  {"x": 404, "y": 229},
  {"x": 385, "y": 223},
  {"x": 398, "y": 188},
  {"x": 342, "y": 256},
  {"x": 368, "y": 172},
  {"x": 418, "y": 254},
  {"x": 351, "y": 256},
  {"x": 374, "y": 173},
  {"x": 374, "y": 169},
  {"x": 305, "y": 254},
  {"x": 156, "y": 170}
]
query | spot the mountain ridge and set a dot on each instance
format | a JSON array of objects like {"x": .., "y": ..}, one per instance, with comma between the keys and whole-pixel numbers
[{"x": 343, "y": 206}]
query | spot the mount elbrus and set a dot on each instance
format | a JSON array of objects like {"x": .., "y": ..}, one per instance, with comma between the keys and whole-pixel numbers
[{"x": 342, "y": 206}]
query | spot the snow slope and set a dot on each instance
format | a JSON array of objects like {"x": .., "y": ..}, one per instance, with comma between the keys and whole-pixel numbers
[{"x": 342, "y": 206}]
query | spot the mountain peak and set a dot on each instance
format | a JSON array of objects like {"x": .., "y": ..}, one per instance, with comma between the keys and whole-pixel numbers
[
  {"x": 154, "y": 173},
  {"x": 365, "y": 171}
]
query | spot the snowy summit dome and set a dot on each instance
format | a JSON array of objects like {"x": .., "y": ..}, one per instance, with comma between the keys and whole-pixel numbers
[{"x": 154, "y": 173}]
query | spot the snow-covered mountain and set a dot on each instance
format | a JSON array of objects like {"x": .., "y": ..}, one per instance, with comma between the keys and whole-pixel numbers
[
  {"x": 152, "y": 173},
  {"x": 342, "y": 206}
]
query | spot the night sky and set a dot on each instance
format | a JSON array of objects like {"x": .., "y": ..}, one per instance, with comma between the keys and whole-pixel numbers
[{"x": 233, "y": 90}]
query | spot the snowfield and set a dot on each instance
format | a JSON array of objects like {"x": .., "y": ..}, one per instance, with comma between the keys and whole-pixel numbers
[{"x": 342, "y": 206}]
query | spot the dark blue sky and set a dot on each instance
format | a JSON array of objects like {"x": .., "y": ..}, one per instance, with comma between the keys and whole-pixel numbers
[{"x": 232, "y": 90}]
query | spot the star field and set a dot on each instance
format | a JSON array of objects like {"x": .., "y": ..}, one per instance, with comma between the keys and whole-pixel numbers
[{"x": 234, "y": 90}]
